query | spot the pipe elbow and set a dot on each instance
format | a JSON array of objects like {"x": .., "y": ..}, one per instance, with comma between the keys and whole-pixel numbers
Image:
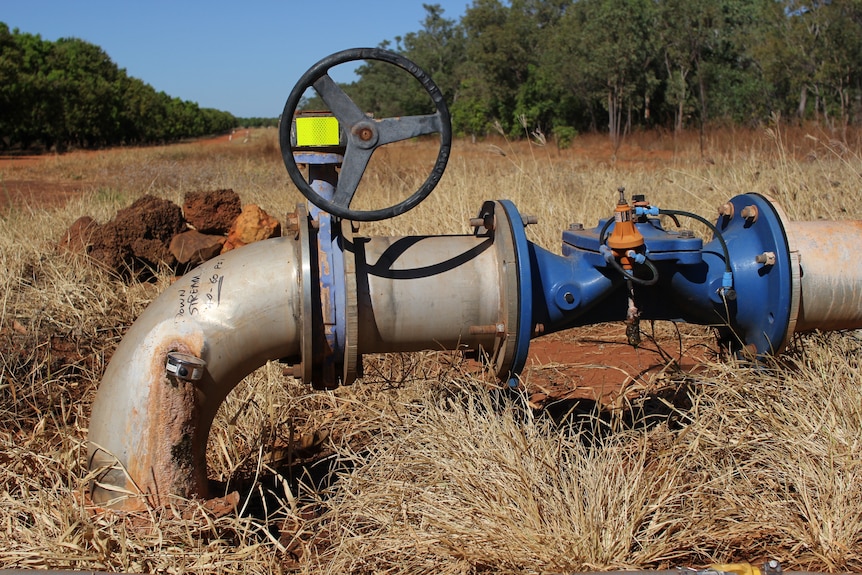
[{"x": 149, "y": 427}]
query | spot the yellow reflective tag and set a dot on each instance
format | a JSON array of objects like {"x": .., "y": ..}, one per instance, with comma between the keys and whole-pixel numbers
[{"x": 317, "y": 131}]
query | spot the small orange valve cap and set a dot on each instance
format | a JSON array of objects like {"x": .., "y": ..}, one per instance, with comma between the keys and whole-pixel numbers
[{"x": 625, "y": 235}]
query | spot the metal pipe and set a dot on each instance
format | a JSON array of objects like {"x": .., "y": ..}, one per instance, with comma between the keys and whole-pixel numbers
[
  {"x": 214, "y": 326},
  {"x": 830, "y": 276},
  {"x": 425, "y": 291},
  {"x": 151, "y": 417},
  {"x": 485, "y": 293}
]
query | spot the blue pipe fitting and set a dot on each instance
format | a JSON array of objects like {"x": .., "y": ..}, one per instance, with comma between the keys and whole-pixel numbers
[
  {"x": 641, "y": 211},
  {"x": 637, "y": 257},
  {"x": 749, "y": 303},
  {"x": 323, "y": 179}
]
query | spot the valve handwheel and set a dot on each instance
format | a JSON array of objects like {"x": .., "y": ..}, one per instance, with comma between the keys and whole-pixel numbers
[{"x": 365, "y": 134}]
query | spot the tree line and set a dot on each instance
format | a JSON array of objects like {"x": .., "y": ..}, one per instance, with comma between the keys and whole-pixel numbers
[
  {"x": 567, "y": 66},
  {"x": 547, "y": 67},
  {"x": 68, "y": 93}
]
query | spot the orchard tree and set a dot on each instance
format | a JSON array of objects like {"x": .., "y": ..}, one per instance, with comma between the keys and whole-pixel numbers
[
  {"x": 503, "y": 46},
  {"x": 605, "y": 53}
]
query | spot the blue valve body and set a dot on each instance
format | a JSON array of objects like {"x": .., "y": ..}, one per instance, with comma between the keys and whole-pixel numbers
[{"x": 580, "y": 288}]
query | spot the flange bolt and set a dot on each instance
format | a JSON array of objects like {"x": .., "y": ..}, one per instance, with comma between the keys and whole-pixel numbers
[
  {"x": 749, "y": 213},
  {"x": 766, "y": 258}
]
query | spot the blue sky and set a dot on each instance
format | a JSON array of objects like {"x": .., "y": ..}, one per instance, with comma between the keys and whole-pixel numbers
[{"x": 239, "y": 56}]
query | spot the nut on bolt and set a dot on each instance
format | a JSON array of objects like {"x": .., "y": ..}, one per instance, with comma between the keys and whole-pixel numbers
[
  {"x": 749, "y": 213},
  {"x": 292, "y": 223},
  {"x": 294, "y": 370},
  {"x": 726, "y": 210},
  {"x": 766, "y": 258}
]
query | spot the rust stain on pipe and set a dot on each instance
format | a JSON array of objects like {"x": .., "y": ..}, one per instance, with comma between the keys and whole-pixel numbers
[
  {"x": 831, "y": 277},
  {"x": 165, "y": 462},
  {"x": 169, "y": 465}
]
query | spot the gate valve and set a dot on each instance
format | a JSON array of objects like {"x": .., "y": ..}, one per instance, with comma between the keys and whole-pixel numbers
[{"x": 625, "y": 237}]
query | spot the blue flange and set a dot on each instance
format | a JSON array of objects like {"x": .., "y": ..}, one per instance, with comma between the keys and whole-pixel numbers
[
  {"x": 765, "y": 290},
  {"x": 525, "y": 290}
]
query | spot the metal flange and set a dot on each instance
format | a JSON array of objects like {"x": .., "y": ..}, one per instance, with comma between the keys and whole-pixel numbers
[{"x": 306, "y": 287}]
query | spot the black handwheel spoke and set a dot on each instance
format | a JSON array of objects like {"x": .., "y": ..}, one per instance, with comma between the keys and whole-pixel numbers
[
  {"x": 365, "y": 134},
  {"x": 396, "y": 129},
  {"x": 347, "y": 112},
  {"x": 355, "y": 161}
]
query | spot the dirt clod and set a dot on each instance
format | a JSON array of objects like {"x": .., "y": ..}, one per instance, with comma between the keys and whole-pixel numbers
[
  {"x": 192, "y": 247},
  {"x": 252, "y": 225},
  {"x": 138, "y": 236},
  {"x": 79, "y": 235},
  {"x": 212, "y": 212}
]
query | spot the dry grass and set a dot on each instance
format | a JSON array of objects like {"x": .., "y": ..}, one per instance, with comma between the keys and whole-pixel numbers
[{"x": 421, "y": 468}]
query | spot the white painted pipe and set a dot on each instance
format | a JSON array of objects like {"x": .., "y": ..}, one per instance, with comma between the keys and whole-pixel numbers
[{"x": 148, "y": 430}]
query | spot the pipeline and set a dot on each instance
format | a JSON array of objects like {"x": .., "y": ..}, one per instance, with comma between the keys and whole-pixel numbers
[
  {"x": 321, "y": 297},
  {"x": 223, "y": 320}
]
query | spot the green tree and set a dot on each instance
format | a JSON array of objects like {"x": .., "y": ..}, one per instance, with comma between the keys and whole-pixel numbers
[
  {"x": 11, "y": 63},
  {"x": 829, "y": 35},
  {"x": 502, "y": 46},
  {"x": 685, "y": 28},
  {"x": 384, "y": 90},
  {"x": 438, "y": 48},
  {"x": 605, "y": 51},
  {"x": 84, "y": 80},
  {"x": 70, "y": 93}
]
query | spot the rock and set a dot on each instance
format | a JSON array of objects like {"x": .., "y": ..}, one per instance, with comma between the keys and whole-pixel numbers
[
  {"x": 192, "y": 247},
  {"x": 212, "y": 212},
  {"x": 79, "y": 235},
  {"x": 137, "y": 238},
  {"x": 252, "y": 225}
]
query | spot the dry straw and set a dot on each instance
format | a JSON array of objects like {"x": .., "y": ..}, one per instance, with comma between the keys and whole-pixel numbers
[{"x": 422, "y": 467}]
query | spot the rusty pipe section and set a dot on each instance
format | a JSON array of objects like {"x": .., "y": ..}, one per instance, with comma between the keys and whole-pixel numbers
[
  {"x": 151, "y": 418},
  {"x": 830, "y": 278},
  {"x": 215, "y": 325}
]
